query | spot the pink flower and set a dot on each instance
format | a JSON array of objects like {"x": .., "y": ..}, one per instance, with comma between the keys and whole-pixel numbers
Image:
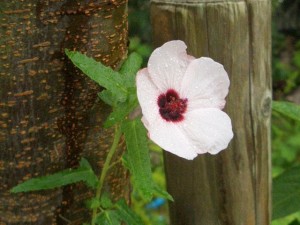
[{"x": 181, "y": 99}]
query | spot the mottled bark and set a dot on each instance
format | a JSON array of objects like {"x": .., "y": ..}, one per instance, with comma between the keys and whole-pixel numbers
[
  {"x": 233, "y": 187},
  {"x": 49, "y": 113}
]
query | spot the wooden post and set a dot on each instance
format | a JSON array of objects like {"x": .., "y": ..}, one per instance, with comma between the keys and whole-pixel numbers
[{"x": 233, "y": 187}]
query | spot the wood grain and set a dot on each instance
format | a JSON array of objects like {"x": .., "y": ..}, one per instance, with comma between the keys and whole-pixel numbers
[{"x": 233, "y": 187}]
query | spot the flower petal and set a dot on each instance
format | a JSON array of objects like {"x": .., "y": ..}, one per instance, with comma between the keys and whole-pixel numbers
[
  {"x": 170, "y": 137},
  {"x": 167, "y": 65},
  {"x": 208, "y": 129},
  {"x": 147, "y": 94},
  {"x": 205, "y": 84}
]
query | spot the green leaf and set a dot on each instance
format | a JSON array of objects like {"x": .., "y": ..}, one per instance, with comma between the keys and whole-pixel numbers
[
  {"x": 121, "y": 111},
  {"x": 134, "y": 43},
  {"x": 287, "y": 219},
  {"x": 122, "y": 213},
  {"x": 296, "y": 58},
  {"x": 103, "y": 75},
  {"x": 295, "y": 222},
  {"x": 59, "y": 179},
  {"x": 286, "y": 193},
  {"x": 107, "y": 97},
  {"x": 93, "y": 203},
  {"x": 130, "y": 68},
  {"x": 288, "y": 109},
  {"x": 84, "y": 164},
  {"x": 144, "y": 50},
  {"x": 91, "y": 178},
  {"x": 137, "y": 157},
  {"x": 108, "y": 217},
  {"x": 126, "y": 215},
  {"x": 162, "y": 193},
  {"x": 105, "y": 201}
]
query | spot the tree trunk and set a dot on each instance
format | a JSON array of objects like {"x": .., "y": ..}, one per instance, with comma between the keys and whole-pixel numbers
[
  {"x": 49, "y": 113},
  {"x": 233, "y": 187}
]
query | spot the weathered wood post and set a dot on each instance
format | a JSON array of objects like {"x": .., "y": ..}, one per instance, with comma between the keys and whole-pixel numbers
[{"x": 233, "y": 187}]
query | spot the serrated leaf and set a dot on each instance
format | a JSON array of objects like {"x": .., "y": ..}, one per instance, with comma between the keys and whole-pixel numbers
[
  {"x": 91, "y": 178},
  {"x": 103, "y": 75},
  {"x": 144, "y": 50},
  {"x": 130, "y": 68},
  {"x": 70, "y": 176},
  {"x": 105, "y": 201},
  {"x": 52, "y": 181},
  {"x": 286, "y": 193},
  {"x": 137, "y": 157},
  {"x": 108, "y": 217},
  {"x": 134, "y": 43},
  {"x": 84, "y": 164},
  {"x": 121, "y": 111},
  {"x": 288, "y": 109},
  {"x": 126, "y": 215},
  {"x": 93, "y": 203},
  {"x": 162, "y": 193},
  {"x": 107, "y": 97}
]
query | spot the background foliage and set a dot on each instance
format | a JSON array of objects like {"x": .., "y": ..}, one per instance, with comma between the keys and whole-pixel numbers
[{"x": 286, "y": 130}]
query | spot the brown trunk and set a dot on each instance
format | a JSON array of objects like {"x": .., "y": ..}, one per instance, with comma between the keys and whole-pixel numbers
[{"x": 48, "y": 115}]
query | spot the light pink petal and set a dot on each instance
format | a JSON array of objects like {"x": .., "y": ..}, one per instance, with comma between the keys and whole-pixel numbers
[
  {"x": 147, "y": 94},
  {"x": 209, "y": 129},
  {"x": 170, "y": 137},
  {"x": 167, "y": 65},
  {"x": 205, "y": 84}
]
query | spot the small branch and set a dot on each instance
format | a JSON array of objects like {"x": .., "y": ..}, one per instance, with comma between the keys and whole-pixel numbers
[
  {"x": 106, "y": 167},
  {"x": 65, "y": 219},
  {"x": 115, "y": 163}
]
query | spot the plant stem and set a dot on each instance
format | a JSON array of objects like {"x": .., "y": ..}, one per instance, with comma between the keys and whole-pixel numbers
[
  {"x": 115, "y": 163},
  {"x": 106, "y": 167}
]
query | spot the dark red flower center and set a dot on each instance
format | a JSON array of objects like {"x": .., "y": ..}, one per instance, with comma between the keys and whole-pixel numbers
[{"x": 171, "y": 107}]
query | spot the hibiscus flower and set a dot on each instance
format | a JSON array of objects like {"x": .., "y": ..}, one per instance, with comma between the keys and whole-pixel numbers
[{"x": 181, "y": 100}]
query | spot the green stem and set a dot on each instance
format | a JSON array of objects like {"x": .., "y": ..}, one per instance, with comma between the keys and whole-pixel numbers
[
  {"x": 115, "y": 163},
  {"x": 106, "y": 167}
]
